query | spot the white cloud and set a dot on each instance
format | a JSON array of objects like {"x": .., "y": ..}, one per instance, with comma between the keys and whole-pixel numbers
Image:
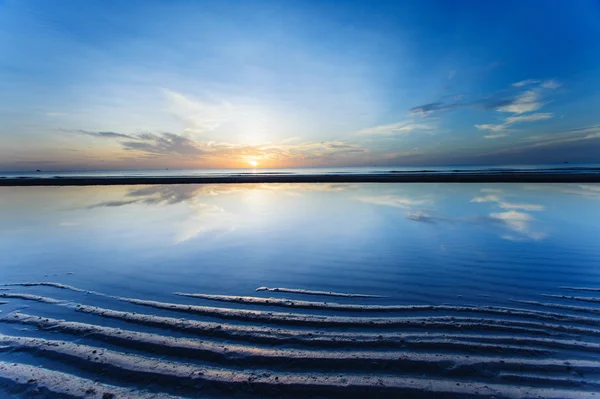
[
  {"x": 493, "y": 128},
  {"x": 512, "y": 216},
  {"x": 511, "y": 120},
  {"x": 527, "y": 102},
  {"x": 540, "y": 116},
  {"x": 526, "y": 82},
  {"x": 199, "y": 116},
  {"x": 551, "y": 84},
  {"x": 525, "y": 207},
  {"x": 495, "y": 136},
  {"x": 394, "y": 128}
]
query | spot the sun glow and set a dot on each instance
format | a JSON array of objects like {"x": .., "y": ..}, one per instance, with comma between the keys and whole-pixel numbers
[{"x": 253, "y": 163}]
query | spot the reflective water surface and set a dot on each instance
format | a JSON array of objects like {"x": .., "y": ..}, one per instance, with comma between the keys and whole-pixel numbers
[{"x": 412, "y": 244}]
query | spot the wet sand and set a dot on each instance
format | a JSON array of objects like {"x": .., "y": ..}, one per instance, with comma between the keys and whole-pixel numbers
[
  {"x": 392, "y": 177},
  {"x": 465, "y": 352}
]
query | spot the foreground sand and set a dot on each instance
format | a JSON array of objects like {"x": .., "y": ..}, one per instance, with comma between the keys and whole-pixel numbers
[{"x": 275, "y": 349}]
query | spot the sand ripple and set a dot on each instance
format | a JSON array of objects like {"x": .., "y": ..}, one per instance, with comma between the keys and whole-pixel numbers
[{"x": 413, "y": 350}]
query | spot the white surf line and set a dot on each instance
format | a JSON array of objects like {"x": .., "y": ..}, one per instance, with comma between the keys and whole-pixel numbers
[
  {"x": 156, "y": 343},
  {"x": 289, "y": 318},
  {"x": 194, "y": 376},
  {"x": 3, "y": 302},
  {"x": 54, "y": 285},
  {"x": 321, "y": 293},
  {"x": 278, "y": 336},
  {"x": 583, "y": 309},
  {"x": 332, "y": 321},
  {"x": 581, "y": 289},
  {"x": 25, "y": 377},
  {"x": 267, "y": 334},
  {"x": 29, "y": 297},
  {"x": 248, "y": 300},
  {"x": 321, "y": 338},
  {"x": 574, "y": 298},
  {"x": 442, "y": 322}
]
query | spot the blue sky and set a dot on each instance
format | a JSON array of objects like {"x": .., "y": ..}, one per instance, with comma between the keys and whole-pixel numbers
[{"x": 178, "y": 84}]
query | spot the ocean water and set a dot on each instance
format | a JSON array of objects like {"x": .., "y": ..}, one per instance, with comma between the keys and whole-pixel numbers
[
  {"x": 489, "y": 290},
  {"x": 541, "y": 168}
]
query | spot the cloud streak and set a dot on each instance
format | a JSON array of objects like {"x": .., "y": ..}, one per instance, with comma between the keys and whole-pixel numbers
[
  {"x": 512, "y": 100},
  {"x": 520, "y": 99},
  {"x": 173, "y": 145},
  {"x": 396, "y": 128},
  {"x": 110, "y": 135},
  {"x": 512, "y": 120},
  {"x": 164, "y": 144}
]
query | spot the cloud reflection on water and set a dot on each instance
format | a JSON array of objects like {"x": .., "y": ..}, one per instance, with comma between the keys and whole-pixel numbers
[
  {"x": 203, "y": 215},
  {"x": 511, "y": 212},
  {"x": 514, "y": 224}
]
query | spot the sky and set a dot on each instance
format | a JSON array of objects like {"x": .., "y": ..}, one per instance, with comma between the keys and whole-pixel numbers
[{"x": 147, "y": 84}]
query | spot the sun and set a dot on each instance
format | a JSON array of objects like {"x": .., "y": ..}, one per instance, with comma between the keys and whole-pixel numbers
[{"x": 253, "y": 163}]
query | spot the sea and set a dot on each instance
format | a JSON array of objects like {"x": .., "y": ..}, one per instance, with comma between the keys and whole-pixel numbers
[{"x": 300, "y": 290}]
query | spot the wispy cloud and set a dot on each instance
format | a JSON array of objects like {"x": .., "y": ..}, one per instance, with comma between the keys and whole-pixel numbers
[
  {"x": 112, "y": 135},
  {"x": 495, "y": 136},
  {"x": 511, "y": 120},
  {"x": 491, "y": 127},
  {"x": 525, "y": 82},
  {"x": 425, "y": 217},
  {"x": 166, "y": 143},
  {"x": 525, "y": 207},
  {"x": 520, "y": 99},
  {"x": 396, "y": 128},
  {"x": 540, "y": 116},
  {"x": 512, "y": 216},
  {"x": 552, "y": 142},
  {"x": 526, "y": 102},
  {"x": 551, "y": 84},
  {"x": 173, "y": 145},
  {"x": 447, "y": 103},
  {"x": 199, "y": 116}
]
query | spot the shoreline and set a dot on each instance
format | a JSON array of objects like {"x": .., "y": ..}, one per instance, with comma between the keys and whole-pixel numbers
[{"x": 465, "y": 177}]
